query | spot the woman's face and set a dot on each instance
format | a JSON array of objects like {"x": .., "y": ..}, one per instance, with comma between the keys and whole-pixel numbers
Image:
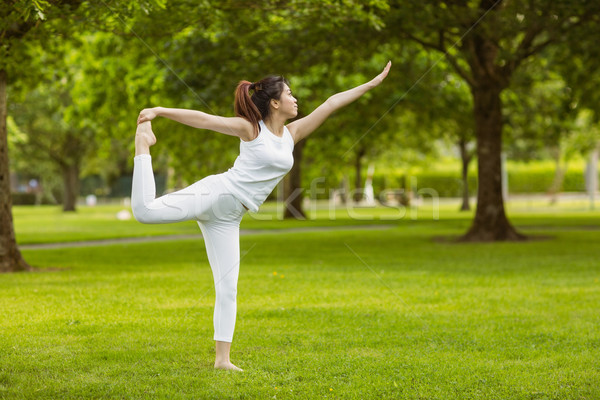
[{"x": 288, "y": 105}]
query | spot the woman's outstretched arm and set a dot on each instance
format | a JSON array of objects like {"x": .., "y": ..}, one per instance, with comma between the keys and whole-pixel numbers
[
  {"x": 233, "y": 126},
  {"x": 305, "y": 126}
]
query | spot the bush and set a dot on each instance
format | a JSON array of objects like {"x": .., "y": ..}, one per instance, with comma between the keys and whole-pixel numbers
[
  {"x": 23, "y": 199},
  {"x": 539, "y": 181},
  {"x": 446, "y": 184},
  {"x": 522, "y": 178}
]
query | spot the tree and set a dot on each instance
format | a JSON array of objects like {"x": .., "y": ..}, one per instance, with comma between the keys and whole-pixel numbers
[
  {"x": 448, "y": 118},
  {"x": 22, "y": 23},
  {"x": 486, "y": 42},
  {"x": 17, "y": 19},
  {"x": 551, "y": 108},
  {"x": 541, "y": 121},
  {"x": 52, "y": 137}
]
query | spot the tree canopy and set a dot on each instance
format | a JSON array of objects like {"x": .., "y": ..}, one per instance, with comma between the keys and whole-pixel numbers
[{"x": 464, "y": 71}]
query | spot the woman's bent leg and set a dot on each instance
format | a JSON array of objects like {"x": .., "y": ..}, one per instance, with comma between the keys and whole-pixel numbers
[
  {"x": 183, "y": 205},
  {"x": 174, "y": 207},
  {"x": 143, "y": 188}
]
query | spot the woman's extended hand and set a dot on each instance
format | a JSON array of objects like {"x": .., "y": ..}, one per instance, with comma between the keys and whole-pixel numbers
[
  {"x": 147, "y": 114},
  {"x": 379, "y": 78}
]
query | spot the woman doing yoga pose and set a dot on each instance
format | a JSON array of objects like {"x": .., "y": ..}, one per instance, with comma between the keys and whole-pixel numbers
[{"x": 218, "y": 202}]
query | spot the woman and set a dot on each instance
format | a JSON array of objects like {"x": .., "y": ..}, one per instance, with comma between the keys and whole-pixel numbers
[{"x": 218, "y": 202}]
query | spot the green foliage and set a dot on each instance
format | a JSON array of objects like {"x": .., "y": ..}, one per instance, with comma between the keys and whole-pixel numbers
[
  {"x": 124, "y": 56},
  {"x": 110, "y": 110},
  {"x": 545, "y": 116},
  {"x": 57, "y": 137}
]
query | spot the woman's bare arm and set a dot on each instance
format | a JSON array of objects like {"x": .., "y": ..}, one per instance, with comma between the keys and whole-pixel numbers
[
  {"x": 233, "y": 126},
  {"x": 305, "y": 126}
]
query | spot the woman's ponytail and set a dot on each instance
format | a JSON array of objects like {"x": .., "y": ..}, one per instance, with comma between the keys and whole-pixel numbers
[{"x": 244, "y": 106}]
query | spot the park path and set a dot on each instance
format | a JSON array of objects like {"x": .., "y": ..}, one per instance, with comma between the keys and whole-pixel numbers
[{"x": 168, "y": 238}]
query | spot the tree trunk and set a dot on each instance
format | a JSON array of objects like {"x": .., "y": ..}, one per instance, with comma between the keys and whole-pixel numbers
[
  {"x": 591, "y": 181},
  {"x": 559, "y": 177},
  {"x": 344, "y": 189},
  {"x": 466, "y": 159},
  {"x": 71, "y": 186},
  {"x": 490, "y": 223},
  {"x": 292, "y": 188},
  {"x": 358, "y": 188},
  {"x": 10, "y": 256}
]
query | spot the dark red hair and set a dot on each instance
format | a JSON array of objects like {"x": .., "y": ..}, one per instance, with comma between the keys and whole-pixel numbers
[{"x": 256, "y": 107}]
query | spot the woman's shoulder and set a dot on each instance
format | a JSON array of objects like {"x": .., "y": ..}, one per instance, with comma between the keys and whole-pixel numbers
[{"x": 254, "y": 136}]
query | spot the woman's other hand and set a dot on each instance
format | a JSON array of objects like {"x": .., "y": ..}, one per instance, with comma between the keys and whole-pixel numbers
[{"x": 379, "y": 78}]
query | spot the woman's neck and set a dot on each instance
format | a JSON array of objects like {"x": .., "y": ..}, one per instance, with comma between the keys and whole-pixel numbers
[{"x": 275, "y": 124}]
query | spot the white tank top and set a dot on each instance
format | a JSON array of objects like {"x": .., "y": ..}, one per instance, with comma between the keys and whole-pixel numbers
[{"x": 262, "y": 163}]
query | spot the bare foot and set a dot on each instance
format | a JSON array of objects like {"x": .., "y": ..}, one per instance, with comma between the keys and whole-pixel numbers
[
  {"x": 144, "y": 138},
  {"x": 227, "y": 365}
]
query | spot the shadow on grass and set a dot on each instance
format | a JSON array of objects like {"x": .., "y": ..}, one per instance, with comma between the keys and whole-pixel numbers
[{"x": 457, "y": 239}]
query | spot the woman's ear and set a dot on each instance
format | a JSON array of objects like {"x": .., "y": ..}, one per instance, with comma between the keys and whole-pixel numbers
[{"x": 275, "y": 104}]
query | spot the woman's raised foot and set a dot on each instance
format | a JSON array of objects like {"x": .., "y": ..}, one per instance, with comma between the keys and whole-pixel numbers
[{"x": 144, "y": 138}]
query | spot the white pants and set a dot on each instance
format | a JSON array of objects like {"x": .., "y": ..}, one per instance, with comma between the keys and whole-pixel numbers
[{"x": 218, "y": 214}]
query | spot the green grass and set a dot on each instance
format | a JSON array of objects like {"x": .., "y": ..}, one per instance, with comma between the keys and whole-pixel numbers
[
  {"x": 349, "y": 314},
  {"x": 47, "y": 224}
]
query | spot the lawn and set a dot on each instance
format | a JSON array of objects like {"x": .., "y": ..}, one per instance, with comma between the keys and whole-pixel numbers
[
  {"x": 388, "y": 314},
  {"x": 47, "y": 224}
]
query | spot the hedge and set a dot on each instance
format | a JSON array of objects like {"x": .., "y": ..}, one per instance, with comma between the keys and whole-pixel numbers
[
  {"x": 449, "y": 183},
  {"x": 23, "y": 199}
]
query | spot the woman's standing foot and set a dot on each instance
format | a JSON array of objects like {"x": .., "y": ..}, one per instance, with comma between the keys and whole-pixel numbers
[
  {"x": 227, "y": 365},
  {"x": 222, "y": 359}
]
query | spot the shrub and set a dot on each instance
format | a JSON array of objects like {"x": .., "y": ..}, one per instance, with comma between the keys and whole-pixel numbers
[
  {"x": 522, "y": 178},
  {"x": 23, "y": 199}
]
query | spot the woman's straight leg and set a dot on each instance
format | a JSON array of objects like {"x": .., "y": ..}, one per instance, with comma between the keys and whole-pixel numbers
[
  {"x": 222, "y": 241},
  {"x": 223, "y": 250}
]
